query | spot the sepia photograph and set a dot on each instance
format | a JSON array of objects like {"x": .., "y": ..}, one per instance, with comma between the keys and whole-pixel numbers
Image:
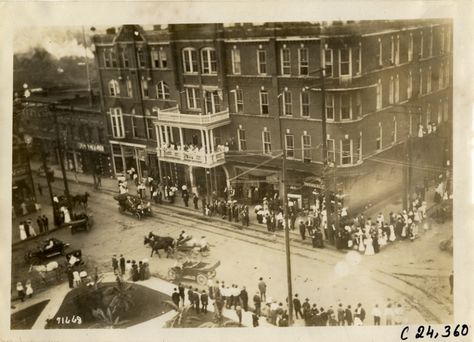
[{"x": 233, "y": 174}]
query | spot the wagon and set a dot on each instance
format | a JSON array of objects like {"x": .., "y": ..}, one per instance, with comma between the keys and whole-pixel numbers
[{"x": 200, "y": 271}]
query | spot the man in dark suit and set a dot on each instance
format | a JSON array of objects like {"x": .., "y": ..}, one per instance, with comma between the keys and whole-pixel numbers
[
  {"x": 204, "y": 301},
  {"x": 302, "y": 228},
  {"x": 122, "y": 264},
  {"x": 191, "y": 296},
  {"x": 196, "y": 300},
  {"x": 181, "y": 291},
  {"x": 244, "y": 297},
  {"x": 195, "y": 201},
  {"x": 175, "y": 297},
  {"x": 297, "y": 306},
  {"x": 115, "y": 264}
]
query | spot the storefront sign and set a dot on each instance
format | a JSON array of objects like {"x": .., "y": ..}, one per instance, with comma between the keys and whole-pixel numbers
[{"x": 90, "y": 147}]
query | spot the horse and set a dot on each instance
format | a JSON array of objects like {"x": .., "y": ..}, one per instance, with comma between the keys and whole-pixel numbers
[
  {"x": 158, "y": 242},
  {"x": 81, "y": 199}
]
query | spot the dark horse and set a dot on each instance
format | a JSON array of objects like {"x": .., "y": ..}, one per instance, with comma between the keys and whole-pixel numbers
[
  {"x": 158, "y": 242},
  {"x": 81, "y": 199}
]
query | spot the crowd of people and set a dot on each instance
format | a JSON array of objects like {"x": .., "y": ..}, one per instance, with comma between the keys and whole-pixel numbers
[{"x": 130, "y": 269}]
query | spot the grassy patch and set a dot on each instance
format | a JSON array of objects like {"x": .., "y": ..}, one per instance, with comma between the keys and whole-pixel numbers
[{"x": 26, "y": 318}]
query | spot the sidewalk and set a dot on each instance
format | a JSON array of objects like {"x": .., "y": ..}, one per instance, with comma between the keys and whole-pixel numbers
[{"x": 390, "y": 203}]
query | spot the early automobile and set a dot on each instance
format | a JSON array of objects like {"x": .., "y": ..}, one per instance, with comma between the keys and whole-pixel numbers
[
  {"x": 48, "y": 249},
  {"x": 199, "y": 271},
  {"x": 133, "y": 205}
]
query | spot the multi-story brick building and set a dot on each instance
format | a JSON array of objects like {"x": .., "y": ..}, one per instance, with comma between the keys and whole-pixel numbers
[
  {"x": 81, "y": 127},
  {"x": 242, "y": 93}
]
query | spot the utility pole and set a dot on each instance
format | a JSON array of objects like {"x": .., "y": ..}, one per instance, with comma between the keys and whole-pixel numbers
[
  {"x": 45, "y": 168},
  {"x": 60, "y": 152},
  {"x": 287, "y": 239},
  {"x": 89, "y": 88}
]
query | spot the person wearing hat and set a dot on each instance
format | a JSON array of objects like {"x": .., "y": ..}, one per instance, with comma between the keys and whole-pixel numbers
[
  {"x": 306, "y": 311},
  {"x": 175, "y": 297},
  {"x": 204, "y": 301},
  {"x": 302, "y": 228},
  {"x": 257, "y": 302},
  {"x": 115, "y": 264},
  {"x": 297, "y": 307}
]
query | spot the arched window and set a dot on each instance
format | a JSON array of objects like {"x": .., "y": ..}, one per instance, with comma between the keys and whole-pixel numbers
[
  {"x": 114, "y": 88},
  {"x": 209, "y": 62},
  {"x": 162, "y": 91},
  {"x": 190, "y": 63}
]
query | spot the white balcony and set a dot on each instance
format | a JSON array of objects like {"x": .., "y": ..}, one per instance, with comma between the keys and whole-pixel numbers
[
  {"x": 174, "y": 117},
  {"x": 195, "y": 158}
]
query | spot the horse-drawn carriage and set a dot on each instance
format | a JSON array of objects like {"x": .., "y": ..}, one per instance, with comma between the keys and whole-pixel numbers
[
  {"x": 81, "y": 222},
  {"x": 48, "y": 249},
  {"x": 199, "y": 271},
  {"x": 134, "y": 205},
  {"x": 187, "y": 246}
]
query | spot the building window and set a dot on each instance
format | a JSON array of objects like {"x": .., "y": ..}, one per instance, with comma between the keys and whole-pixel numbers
[
  {"x": 209, "y": 62},
  {"x": 303, "y": 61},
  {"x": 287, "y": 103},
  {"x": 242, "y": 139},
  {"x": 346, "y": 152},
  {"x": 379, "y": 94},
  {"x": 162, "y": 91},
  {"x": 409, "y": 85},
  {"x": 446, "y": 110},
  {"x": 304, "y": 103},
  {"x": 344, "y": 62},
  {"x": 422, "y": 50},
  {"x": 346, "y": 106},
  {"x": 149, "y": 128},
  {"x": 262, "y": 62},
  {"x": 392, "y": 50},
  {"x": 391, "y": 90},
  {"x": 397, "y": 51},
  {"x": 267, "y": 144},
  {"x": 306, "y": 143},
  {"x": 190, "y": 63},
  {"x": 394, "y": 132},
  {"x": 285, "y": 61},
  {"x": 100, "y": 135},
  {"x": 428, "y": 81},
  {"x": 357, "y": 60},
  {"x": 421, "y": 83},
  {"x": 441, "y": 40},
  {"x": 431, "y": 43},
  {"x": 145, "y": 92},
  {"x": 124, "y": 58},
  {"x": 159, "y": 59},
  {"x": 331, "y": 150},
  {"x": 212, "y": 101},
  {"x": 290, "y": 146},
  {"x": 141, "y": 58},
  {"x": 411, "y": 44},
  {"x": 129, "y": 88},
  {"x": 239, "y": 100},
  {"x": 264, "y": 102},
  {"x": 236, "y": 62},
  {"x": 380, "y": 52},
  {"x": 193, "y": 98},
  {"x": 358, "y": 150},
  {"x": 116, "y": 119},
  {"x": 134, "y": 126},
  {"x": 441, "y": 77},
  {"x": 328, "y": 62},
  {"x": 329, "y": 106},
  {"x": 110, "y": 58},
  {"x": 397, "y": 89},
  {"x": 114, "y": 88},
  {"x": 378, "y": 142},
  {"x": 358, "y": 108}
]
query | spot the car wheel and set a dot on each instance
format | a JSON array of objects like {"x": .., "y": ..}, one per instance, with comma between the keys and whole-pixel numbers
[
  {"x": 172, "y": 274},
  {"x": 201, "y": 279}
]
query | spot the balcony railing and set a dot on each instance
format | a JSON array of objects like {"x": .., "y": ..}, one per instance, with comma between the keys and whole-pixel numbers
[
  {"x": 174, "y": 115},
  {"x": 192, "y": 158}
]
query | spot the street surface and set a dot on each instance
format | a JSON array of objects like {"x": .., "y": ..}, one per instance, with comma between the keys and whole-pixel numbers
[{"x": 414, "y": 274}]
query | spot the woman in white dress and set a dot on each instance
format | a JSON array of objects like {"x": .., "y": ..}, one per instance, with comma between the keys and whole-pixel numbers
[
  {"x": 360, "y": 238},
  {"x": 392, "y": 233},
  {"x": 382, "y": 238},
  {"x": 67, "y": 216},
  {"x": 22, "y": 231},
  {"x": 369, "y": 247}
]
